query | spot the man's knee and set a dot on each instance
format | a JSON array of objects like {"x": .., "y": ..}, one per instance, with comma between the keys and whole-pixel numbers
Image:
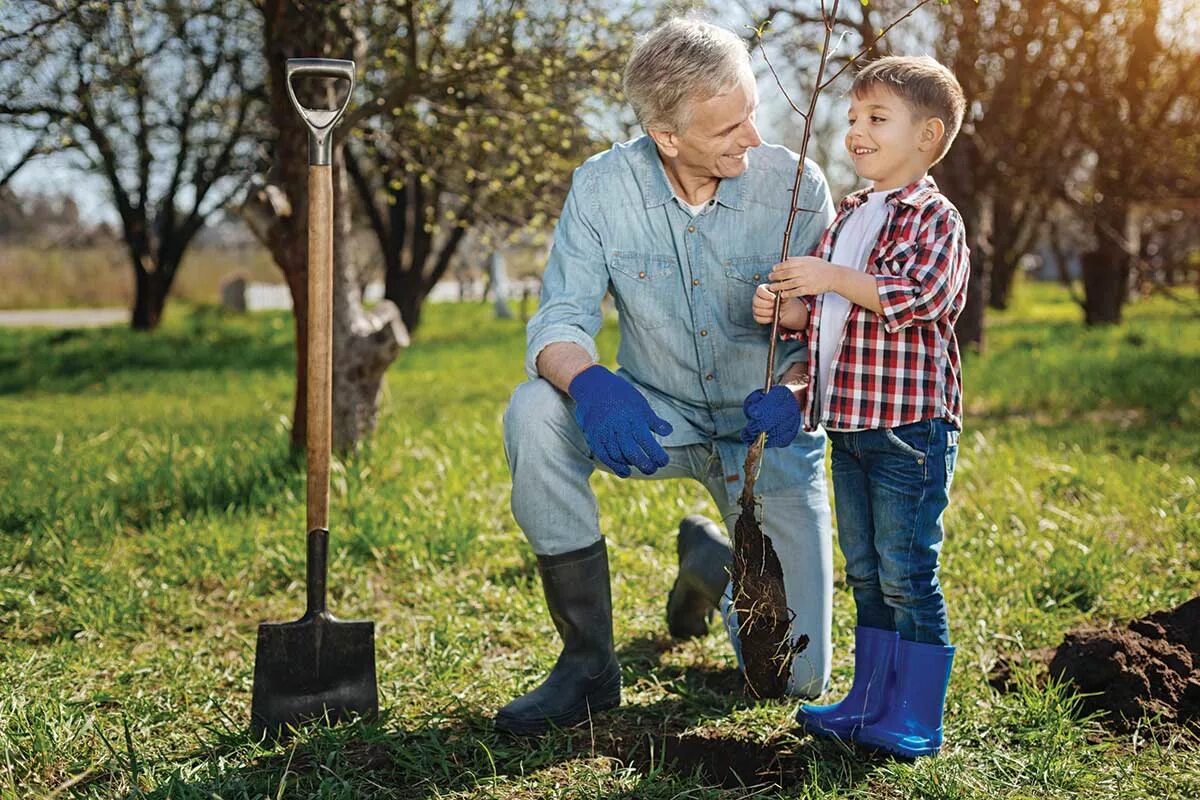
[{"x": 532, "y": 411}]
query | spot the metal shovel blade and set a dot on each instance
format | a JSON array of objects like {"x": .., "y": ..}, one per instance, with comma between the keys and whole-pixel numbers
[{"x": 318, "y": 668}]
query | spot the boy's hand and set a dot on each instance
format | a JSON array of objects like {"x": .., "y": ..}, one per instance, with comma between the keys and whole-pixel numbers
[
  {"x": 807, "y": 275},
  {"x": 793, "y": 313},
  {"x": 763, "y": 305},
  {"x": 775, "y": 413}
]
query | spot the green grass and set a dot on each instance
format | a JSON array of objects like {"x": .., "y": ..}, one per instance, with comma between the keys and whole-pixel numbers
[{"x": 153, "y": 515}]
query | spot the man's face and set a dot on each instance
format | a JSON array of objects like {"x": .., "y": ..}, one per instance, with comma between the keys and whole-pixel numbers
[
  {"x": 721, "y": 133},
  {"x": 889, "y": 143}
]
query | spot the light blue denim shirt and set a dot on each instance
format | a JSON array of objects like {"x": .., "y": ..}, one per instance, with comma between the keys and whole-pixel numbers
[{"x": 683, "y": 285}]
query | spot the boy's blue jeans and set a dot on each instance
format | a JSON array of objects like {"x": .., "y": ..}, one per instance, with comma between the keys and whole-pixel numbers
[{"x": 890, "y": 488}]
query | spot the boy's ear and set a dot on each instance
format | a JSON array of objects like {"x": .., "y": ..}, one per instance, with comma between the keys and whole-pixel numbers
[
  {"x": 665, "y": 140},
  {"x": 931, "y": 134}
]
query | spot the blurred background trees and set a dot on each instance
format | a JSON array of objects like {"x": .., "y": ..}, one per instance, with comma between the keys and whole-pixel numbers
[
  {"x": 1077, "y": 161},
  {"x": 158, "y": 97}
]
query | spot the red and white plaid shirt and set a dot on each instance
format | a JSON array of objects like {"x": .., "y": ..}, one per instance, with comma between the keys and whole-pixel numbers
[{"x": 904, "y": 366}]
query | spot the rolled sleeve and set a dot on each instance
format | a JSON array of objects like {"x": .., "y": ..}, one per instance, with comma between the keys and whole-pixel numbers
[
  {"x": 574, "y": 283},
  {"x": 922, "y": 289}
]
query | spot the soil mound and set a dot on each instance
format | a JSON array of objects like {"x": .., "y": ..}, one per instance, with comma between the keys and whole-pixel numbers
[{"x": 1151, "y": 666}]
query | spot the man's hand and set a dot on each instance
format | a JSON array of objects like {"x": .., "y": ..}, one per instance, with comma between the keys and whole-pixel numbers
[
  {"x": 793, "y": 314},
  {"x": 618, "y": 423},
  {"x": 808, "y": 275},
  {"x": 776, "y": 413}
]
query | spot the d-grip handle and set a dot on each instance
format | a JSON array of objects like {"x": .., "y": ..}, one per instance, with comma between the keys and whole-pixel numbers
[{"x": 320, "y": 121}]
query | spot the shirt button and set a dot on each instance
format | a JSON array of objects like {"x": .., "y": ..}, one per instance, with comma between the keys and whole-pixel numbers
[
  {"x": 695, "y": 281},
  {"x": 641, "y": 274},
  {"x": 691, "y": 228},
  {"x": 708, "y": 377},
  {"x": 704, "y": 333},
  {"x": 757, "y": 276}
]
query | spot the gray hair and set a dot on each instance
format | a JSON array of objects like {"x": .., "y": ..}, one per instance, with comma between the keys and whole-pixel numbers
[{"x": 681, "y": 61}]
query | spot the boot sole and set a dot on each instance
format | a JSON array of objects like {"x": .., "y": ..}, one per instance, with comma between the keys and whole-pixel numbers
[{"x": 897, "y": 752}]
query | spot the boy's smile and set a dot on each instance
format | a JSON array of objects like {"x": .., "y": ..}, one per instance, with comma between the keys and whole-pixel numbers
[{"x": 890, "y": 143}]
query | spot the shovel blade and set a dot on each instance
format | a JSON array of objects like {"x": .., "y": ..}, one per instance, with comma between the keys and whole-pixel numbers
[{"x": 318, "y": 668}]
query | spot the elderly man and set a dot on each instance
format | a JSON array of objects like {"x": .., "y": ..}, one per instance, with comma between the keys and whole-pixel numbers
[{"x": 680, "y": 225}]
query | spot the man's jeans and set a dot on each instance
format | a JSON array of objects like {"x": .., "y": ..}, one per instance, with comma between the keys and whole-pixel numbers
[
  {"x": 554, "y": 504},
  {"x": 890, "y": 488}
]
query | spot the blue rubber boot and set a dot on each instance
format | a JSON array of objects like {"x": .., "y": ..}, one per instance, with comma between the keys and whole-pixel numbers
[
  {"x": 874, "y": 668},
  {"x": 912, "y": 725}
]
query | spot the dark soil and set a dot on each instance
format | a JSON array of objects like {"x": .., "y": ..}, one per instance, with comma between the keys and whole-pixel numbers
[{"x": 1148, "y": 668}]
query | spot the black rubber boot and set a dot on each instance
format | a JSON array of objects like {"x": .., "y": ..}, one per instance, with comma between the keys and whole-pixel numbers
[
  {"x": 586, "y": 679},
  {"x": 705, "y": 558}
]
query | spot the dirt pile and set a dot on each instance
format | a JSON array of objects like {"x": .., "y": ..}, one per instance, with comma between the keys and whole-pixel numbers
[{"x": 1151, "y": 666}]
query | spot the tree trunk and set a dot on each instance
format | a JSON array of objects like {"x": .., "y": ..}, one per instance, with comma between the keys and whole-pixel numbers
[
  {"x": 149, "y": 299},
  {"x": 1003, "y": 263},
  {"x": 406, "y": 289},
  {"x": 363, "y": 344},
  {"x": 956, "y": 177},
  {"x": 1105, "y": 286},
  {"x": 1106, "y": 270}
]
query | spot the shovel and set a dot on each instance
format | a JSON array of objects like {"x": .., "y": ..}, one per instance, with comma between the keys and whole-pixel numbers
[{"x": 318, "y": 667}]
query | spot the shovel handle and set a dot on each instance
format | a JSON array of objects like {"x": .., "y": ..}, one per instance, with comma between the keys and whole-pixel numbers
[
  {"x": 318, "y": 434},
  {"x": 320, "y": 121},
  {"x": 319, "y": 439}
]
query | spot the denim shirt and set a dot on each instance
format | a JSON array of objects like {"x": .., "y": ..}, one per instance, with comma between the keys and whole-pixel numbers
[{"x": 683, "y": 285}]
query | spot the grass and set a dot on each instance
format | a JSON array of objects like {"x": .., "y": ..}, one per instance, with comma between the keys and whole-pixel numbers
[{"x": 153, "y": 515}]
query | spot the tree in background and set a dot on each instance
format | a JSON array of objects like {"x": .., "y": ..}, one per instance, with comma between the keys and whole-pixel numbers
[
  {"x": 365, "y": 342},
  {"x": 1087, "y": 102},
  {"x": 1140, "y": 122},
  {"x": 157, "y": 97},
  {"x": 478, "y": 121}
]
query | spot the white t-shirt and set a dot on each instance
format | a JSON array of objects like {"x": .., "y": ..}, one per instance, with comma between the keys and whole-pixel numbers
[
  {"x": 852, "y": 248},
  {"x": 695, "y": 209}
]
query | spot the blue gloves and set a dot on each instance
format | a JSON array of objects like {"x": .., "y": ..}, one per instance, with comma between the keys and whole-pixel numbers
[
  {"x": 776, "y": 413},
  {"x": 618, "y": 422}
]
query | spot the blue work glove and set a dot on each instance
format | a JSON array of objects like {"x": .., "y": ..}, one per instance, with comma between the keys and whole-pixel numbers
[
  {"x": 776, "y": 413},
  {"x": 618, "y": 422}
]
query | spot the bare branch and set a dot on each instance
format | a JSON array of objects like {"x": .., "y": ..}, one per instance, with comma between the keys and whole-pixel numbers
[
  {"x": 873, "y": 42},
  {"x": 22, "y": 160}
]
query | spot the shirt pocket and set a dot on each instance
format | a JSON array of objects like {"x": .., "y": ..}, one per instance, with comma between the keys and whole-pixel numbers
[
  {"x": 645, "y": 288},
  {"x": 896, "y": 257},
  {"x": 742, "y": 277}
]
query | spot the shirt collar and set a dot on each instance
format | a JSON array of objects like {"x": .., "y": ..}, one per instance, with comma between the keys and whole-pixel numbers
[
  {"x": 916, "y": 195},
  {"x": 657, "y": 189}
]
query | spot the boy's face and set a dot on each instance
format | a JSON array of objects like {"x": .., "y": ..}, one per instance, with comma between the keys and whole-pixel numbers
[
  {"x": 721, "y": 133},
  {"x": 891, "y": 143}
]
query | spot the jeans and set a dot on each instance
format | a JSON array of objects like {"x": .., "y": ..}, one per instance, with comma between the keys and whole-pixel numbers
[
  {"x": 890, "y": 488},
  {"x": 554, "y": 504}
]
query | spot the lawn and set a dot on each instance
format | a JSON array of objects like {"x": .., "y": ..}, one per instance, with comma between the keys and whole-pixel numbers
[{"x": 152, "y": 516}]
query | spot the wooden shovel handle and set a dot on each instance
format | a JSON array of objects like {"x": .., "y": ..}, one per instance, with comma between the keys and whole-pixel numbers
[{"x": 320, "y": 341}]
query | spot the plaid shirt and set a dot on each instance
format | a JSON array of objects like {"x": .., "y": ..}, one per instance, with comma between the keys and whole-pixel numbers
[{"x": 904, "y": 366}]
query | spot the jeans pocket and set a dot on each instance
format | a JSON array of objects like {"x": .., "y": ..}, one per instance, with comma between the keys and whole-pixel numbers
[
  {"x": 951, "y": 456},
  {"x": 911, "y": 448}
]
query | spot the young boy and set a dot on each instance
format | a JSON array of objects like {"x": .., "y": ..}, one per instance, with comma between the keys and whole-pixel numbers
[{"x": 878, "y": 304}]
